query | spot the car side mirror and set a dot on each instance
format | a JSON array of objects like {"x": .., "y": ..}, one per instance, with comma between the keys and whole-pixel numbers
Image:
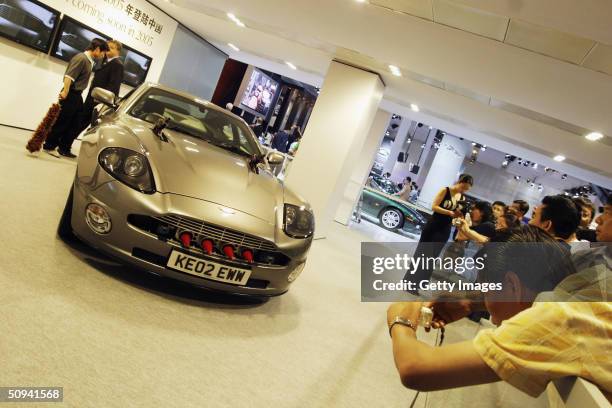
[
  {"x": 275, "y": 158},
  {"x": 103, "y": 96}
]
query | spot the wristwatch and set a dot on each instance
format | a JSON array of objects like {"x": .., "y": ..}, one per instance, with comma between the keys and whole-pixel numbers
[{"x": 401, "y": 321}]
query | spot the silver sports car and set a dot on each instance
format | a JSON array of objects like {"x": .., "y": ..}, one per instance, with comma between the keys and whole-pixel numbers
[{"x": 177, "y": 186}]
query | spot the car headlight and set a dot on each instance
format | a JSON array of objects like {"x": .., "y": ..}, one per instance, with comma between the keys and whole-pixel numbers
[
  {"x": 298, "y": 222},
  {"x": 129, "y": 167}
]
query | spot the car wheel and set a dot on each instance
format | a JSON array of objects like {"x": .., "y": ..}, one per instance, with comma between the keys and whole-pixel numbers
[
  {"x": 64, "y": 229},
  {"x": 391, "y": 218}
]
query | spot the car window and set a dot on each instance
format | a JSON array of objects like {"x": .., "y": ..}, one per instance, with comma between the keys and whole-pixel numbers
[{"x": 197, "y": 120}]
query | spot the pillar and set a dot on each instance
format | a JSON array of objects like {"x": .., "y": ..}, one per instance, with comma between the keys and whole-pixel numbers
[
  {"x": 361, "y": 169},
  {"x": 334, "y": 138},
  {"x": 444, "y": 169}
]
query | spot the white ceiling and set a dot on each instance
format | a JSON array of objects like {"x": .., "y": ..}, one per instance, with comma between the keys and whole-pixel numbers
[{"x": 456, "y": 55}]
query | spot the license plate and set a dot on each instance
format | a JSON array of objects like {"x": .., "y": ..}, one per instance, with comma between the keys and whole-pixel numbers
[{"x": 207, "y": 269}]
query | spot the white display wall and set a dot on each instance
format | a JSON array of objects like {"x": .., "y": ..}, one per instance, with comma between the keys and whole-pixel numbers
[{"x": 32, "y": 80}]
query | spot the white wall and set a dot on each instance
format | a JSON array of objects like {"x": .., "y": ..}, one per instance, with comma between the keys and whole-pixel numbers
[
  {"x": 32, "y": 80},
  {"x": 199, "y": 77}
]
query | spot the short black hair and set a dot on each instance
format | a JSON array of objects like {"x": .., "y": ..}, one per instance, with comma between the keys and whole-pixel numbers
[
  {"x": 499, "y": 203},
  {"x": 562, "y": 213},
  {"x": 581, "y": 203},
  {"x": 97, "y": 43},
  {"x": 466, "y": 178},
  {"x": 539, "y": 261},
  {"x": 486, "y": 210},
  {"x": 523, "y": 206}
]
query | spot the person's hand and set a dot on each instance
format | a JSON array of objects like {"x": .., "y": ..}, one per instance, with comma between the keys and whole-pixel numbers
[
  {"x": 457, "y": 214},
  {"x": 63, "y": 95},
  {"x": 462, "y": 224},
  {"x": 407, "y": 310},
  {"x": 448, "y": 309}
]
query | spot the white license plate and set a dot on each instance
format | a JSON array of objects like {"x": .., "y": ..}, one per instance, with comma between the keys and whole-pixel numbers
[{"x": 207, "y": 269}]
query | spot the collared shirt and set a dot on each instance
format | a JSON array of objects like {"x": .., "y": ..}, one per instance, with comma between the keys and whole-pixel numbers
[
  {"x": 79, "y": 70},
  {"x": 565, "y": 333}
]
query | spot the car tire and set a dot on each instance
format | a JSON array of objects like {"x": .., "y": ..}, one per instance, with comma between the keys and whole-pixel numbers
[
  {"x": 64, "y": 229},
  {"x": 391, "y": 219}
]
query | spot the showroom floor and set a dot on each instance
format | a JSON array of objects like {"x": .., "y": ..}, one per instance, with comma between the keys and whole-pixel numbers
[{"x": 115, "y": 337}]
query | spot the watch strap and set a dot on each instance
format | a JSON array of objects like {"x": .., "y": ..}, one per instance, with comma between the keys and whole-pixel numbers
[{"x": 402, "y": 322}]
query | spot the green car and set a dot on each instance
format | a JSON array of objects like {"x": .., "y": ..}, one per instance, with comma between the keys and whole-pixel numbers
[{"x": 391, "y": 212}]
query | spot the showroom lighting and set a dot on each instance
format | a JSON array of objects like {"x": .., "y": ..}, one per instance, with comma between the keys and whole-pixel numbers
[
  {"x": 594, "y": 136},
  {"x": 233, "y": 47},
  {"x": 395, "y": 70},
  {"x": 235, "y": 19},
  {"x": 414, "y": 107},
  {"x": 290, "y": 65},
  {"x": 559, "y": 158}
]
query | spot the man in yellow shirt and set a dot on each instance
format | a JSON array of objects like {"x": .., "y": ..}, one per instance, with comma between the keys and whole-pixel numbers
[{"x": 542, "y": 335}]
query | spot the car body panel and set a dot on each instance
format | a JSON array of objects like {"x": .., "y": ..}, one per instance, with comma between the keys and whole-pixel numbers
[
  {"x": 196, "y": 182},
  {"x": 374, "y": 202}
]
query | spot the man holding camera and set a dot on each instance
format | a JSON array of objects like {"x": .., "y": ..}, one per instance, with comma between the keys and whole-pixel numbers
[{"x": 553, "y": 314}]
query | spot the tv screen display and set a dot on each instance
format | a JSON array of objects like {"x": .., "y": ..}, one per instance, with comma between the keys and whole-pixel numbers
[
  {"x": 135, "y": 66},
  {"x": 28, "y": 22},
  {"x": 259, "y": 93},
  {"x": 72, "y": 38}
]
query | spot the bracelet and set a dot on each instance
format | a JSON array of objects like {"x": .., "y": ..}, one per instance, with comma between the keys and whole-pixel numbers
[{"x": 403, "y": 322}]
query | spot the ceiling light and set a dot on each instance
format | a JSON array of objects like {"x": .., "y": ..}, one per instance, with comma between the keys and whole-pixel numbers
[
  {"x": 593, "y": 136},
  {"x": 290, "y": 65},
  {"x": 415, "y": 108},
  {"x": 395, "y": 70},
  {"x": 361, "y": 1},
  {"x": 233, "y": 47},
  {"x": 559, "y": 158}
]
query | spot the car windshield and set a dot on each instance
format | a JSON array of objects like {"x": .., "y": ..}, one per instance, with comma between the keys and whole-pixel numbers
[{"x": 197, "y": 120}]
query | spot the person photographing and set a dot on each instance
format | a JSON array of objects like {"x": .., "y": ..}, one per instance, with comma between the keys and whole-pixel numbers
[
  {"x": 445, "y": 206},
  {"x": 76, "y": 80}
]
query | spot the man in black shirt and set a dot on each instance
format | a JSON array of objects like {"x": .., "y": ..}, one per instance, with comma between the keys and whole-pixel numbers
[
  {"x": 76, "y": 79},
  {"x": 109, "y": 76}
]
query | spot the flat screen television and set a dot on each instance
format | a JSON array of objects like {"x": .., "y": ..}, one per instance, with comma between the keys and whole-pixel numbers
[
  {"x": 73, "y": 37},
  {"x": 28, "y": 22},
  {"x": 257, "y": 92},
  {"x": 135, "y": 66}
]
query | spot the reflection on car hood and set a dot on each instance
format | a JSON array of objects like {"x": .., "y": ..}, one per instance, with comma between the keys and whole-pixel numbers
[{"x": 192, "y": 167}]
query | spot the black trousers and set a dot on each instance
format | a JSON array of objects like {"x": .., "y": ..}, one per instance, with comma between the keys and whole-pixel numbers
[
  {"x": 85, "y": 116},
  {"x": 433, "y": 239},
  {"x": 63, "y": 133}
]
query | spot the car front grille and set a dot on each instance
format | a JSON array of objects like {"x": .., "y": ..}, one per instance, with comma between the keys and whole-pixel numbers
[
  {"x": 217, "y": 233},
  {"x": 168, "y": 227}
]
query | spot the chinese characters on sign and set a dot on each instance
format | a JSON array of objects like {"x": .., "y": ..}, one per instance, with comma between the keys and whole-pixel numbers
[{"x": 144, "y": 18}]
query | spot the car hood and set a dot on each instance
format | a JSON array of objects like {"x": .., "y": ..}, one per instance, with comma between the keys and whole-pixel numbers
[{"x": 194, "y": 168}]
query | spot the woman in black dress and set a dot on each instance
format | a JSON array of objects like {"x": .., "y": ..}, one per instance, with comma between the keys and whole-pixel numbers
[{"x": 446, "y": 206}]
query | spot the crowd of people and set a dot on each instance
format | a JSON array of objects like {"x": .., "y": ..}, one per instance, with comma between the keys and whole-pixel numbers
[{"x": 553, "y": 315}]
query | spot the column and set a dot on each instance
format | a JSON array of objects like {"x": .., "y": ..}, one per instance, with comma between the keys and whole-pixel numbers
[
  {"x": 444, "y": 169},
  {"x": 334, "y": 138},
  {"x": 361, "y": 169}
]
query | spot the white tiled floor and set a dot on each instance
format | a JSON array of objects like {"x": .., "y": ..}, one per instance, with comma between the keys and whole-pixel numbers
[{"x": 115, "y": 337}]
